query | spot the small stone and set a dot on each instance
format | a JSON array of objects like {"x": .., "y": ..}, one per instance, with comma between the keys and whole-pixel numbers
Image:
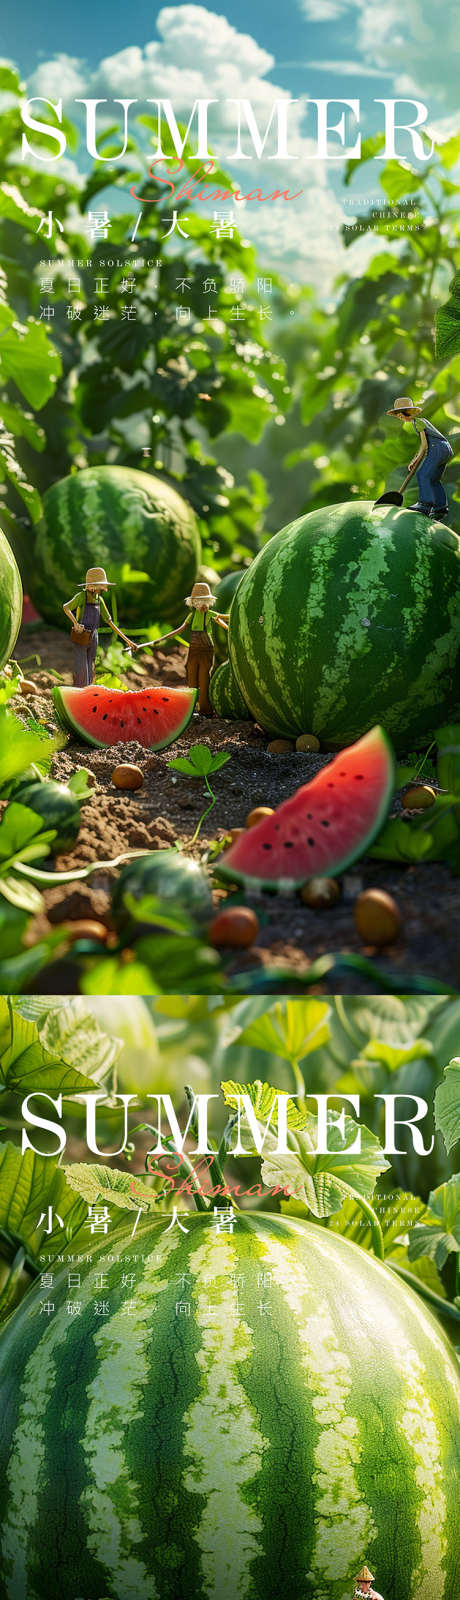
[
  {"x": 280, "y": 747},
  {"x": 127, "y": 777},
  {"x": 377, "y": 917},
  {"x": 27, "y": 687},
  {"x": 418, "y": 797},
  {"x": 234, "y": 928},
  {"x": 320, "y": 893},
  {"x": 86, "y": 929},
  {"x": 235, "y": 833},
  {"x": 258, "y": 815},
  {"x": 307, "y": 741}
]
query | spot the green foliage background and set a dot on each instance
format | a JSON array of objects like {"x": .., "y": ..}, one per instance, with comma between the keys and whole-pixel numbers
[{"x": 257, "y": 421}]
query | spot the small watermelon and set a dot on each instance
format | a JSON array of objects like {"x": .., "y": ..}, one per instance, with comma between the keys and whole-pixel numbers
[
  {"x": 57, "y": 805},
  {"x": 10, "y": 600},
  {"x": 152, "y": 717},
  {"x": 323, "y": 826},
  {"x": 226, "y": 697},
  {"x": 168, "y": 875}
]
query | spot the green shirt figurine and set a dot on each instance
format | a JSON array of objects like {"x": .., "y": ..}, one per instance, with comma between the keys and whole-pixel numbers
[
  {"x": 88, "y": 603},
  {"x": 200, "y": 629}
]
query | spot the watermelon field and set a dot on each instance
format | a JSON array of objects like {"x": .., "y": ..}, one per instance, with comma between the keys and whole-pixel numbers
[
  {"x": 237, "y": 1372},
  {"x": 244, "y": 461}
]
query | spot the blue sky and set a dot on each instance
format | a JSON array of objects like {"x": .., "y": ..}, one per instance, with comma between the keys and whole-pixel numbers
[{"x": 302, "y": 49}]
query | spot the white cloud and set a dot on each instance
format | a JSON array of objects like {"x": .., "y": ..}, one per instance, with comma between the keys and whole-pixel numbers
[
  {"x": 199, "y": 54},
  {"x": 415, "y": 42}
]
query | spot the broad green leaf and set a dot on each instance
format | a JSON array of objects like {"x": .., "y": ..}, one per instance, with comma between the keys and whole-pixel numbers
[
  {"x": 28, "y": 356},
  {"x": 29, "y": 1185},
  {"x": 447, "y": 1105},
  {"x": 96, "y": 1182},
  {"x": 397, "y": 1212},
  {"x": 72, "y": 1032},
  {"x": 396, "y": 1019},
  {"x": 394, "y": 1056},
  {"x": 398, "y": 180},
  {"x": 18, "y": 893},
  {"x": 14, "y": 206},
  {"x": 26, "y": 1066},
  {"x": 10, "y": 83},
  {"x": 20, "y": 748},
  {"x": 290, "y": 1029},
  {"x": 438, "y": 1235},
  {"x": 262, "y": 1097}
]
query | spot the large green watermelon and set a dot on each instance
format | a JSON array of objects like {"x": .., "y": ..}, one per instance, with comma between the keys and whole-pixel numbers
[
  {"x": 10, "y": 600},
  {"x": 348, "y": 617},
  {"x": 227, "y": 1416},
  {"x": 111, "y": 516}
]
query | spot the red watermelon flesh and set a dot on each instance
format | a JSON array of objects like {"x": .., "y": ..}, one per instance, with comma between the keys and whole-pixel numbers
[
  {"x": 323, "y": 826},
  {"x": 153, "y": 717}
]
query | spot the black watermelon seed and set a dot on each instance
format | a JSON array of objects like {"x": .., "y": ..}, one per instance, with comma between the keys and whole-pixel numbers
[
  {"x": 288, "y": 844},
  {"x": 324, "y": 824},
  {"x": 310, "y": 841},
  {"x": 104, "y": 718},
  {"x": 155, "y": 711},
  {"x": 138, "y": 719},
  {"x": 358, "y": 777},
  {"x": 94, "y": 709},
  {"x": 331, "y": 786},
  {"x": 266, "y": 847}
]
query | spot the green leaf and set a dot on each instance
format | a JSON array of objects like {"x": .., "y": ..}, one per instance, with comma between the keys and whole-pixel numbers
[
  {"x": 72, "y": 1033},
  {"x": 29, "y": 1184},
  {"x": 290, "y": 1029},
  {"x": 321, "y": 1182},
  {"x": 398, "y": 180},
  {"x": 201, "y": 761},
  {"x": 438, "y": 1236},
  {"x": 96, "y": 1182},
  {"x": 26, "y": 1066},
  {"x": 262, "y": 1097},
  {"x": 447, "y": 1105},
  {"x": 395, "y": 1056},
  {"x": 20, "y": 748},
  {"x": 81, "y": 783}
]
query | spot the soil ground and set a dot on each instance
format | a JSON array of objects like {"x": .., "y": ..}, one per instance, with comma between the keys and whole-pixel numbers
[{"x": 167, "y": 808}]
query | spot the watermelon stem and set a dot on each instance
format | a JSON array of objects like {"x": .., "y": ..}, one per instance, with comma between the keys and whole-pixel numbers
[
  {"x": 183, "y": 1161},
  {"x": 215, "y": 1168},
  {"x": 50, "y": 878}
]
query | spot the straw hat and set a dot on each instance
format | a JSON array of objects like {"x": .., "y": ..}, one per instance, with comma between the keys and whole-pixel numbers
[
  {"x": 200, "y": 591},
  {"x": 365, "y": 1576},
  {"x": 96, "y": 578},
  {"x": 404, "y": 403}
]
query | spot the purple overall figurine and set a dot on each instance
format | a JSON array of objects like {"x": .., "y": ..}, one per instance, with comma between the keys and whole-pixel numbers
[
  {"x": 432, "y": 456},
  {"x": 89, "y": 603}
]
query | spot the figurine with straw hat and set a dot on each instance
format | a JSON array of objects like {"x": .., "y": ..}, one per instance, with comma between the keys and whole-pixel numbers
[
  {"x": 84, "y": 612},
  {"x": 364, "y": 1583},
  {"x": 200, "y": 629},
  {"x": 433, "y": 453}
]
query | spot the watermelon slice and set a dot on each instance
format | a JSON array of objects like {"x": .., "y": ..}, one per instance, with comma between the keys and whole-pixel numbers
[
  {"x": 153, "y": 717},
  {"x": 323, "y": 826}
]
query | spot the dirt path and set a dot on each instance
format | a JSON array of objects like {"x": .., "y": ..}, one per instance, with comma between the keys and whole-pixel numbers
[{"x": 168, "y": 807}]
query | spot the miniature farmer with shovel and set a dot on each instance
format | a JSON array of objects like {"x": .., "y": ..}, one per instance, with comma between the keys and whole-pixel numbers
[
  {"x": 363, "y": 1588},
  {"x": 200, "y": 628},
  {"x": 432, "y": 456},
  {"x": 89, "y": 604}
]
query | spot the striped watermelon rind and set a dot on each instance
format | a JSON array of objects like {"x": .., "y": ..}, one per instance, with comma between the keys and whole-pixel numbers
[
  {"x": 115, "y": 516},
  {"x": 10, "y": 600},
  {"x": 250, "y": 1414},
  {"x": 323, "y": 827},
  {"x": 348, "y": 617},
  {"x": 226, "y": 697},
  {"x": 83, "y": 711}
]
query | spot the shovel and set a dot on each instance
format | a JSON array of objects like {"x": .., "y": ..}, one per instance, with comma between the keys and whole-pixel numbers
[{"x": 394, "y": 497}]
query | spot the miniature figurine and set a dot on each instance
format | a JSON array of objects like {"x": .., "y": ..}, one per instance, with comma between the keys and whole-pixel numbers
[
  {"x": 432, "y": 456},
  {"x": 364, "y": 1583},
  {"x": 201, "y": 627},
  {"x": 89, "y": 604}
]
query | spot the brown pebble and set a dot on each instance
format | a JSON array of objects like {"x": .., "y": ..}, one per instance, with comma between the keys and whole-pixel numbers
[
  {"x": 234, "y": 928},
  {"x": 319, "y": 893},
  {"x": 377, "y": 917},
  {"x": 27, "y": 687},
  {"x": 307, "y": 741},
  {"x": 418, "y": 797},
  {"x": 86, "y": 930},
  {"x": 127, "y": 777},
  {"x": 280, "y": 747},
  {"x": 235, "y": 833},
  {"x": 258, "y": 814}
]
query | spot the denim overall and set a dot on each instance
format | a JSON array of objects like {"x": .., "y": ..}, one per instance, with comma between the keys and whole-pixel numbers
[
  {"x": 432, "y": 494},
  {"x": 84, "y": 657}
]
